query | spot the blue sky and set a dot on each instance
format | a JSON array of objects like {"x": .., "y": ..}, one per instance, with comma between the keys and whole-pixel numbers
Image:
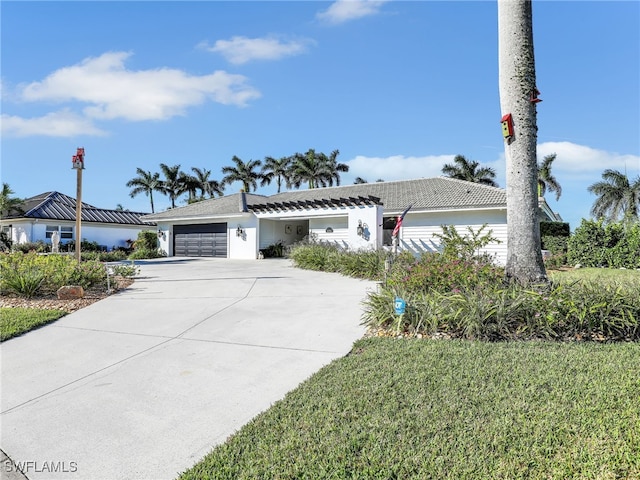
[{"x": 399, "y": 87}]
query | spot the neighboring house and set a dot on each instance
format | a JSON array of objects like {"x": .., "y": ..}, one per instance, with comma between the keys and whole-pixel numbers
[
  {"x": 352, "y": 216},
  {"x": 38, "y": 217}
]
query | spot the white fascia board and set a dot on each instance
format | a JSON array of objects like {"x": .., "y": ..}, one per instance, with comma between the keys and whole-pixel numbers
[{"x": 201, "y": 219}]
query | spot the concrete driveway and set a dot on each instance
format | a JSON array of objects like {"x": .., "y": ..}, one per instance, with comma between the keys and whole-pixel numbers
[{"x": 143, "y": 384}]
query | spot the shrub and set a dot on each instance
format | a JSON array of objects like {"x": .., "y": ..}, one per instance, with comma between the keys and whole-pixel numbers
[
  {"x": 275, "y": 250},
  {"x": 596, "y": 244},
  {"x": 142, "y": 253},
  {"x": 147, "y": 240},
  {"x": 56, "y": 270},
  {"x": 466, "y": 246},
  {"x": 436, "y": 272},
  {"x": 577, "y": 311},
  {"x": 39, "y": 247}
]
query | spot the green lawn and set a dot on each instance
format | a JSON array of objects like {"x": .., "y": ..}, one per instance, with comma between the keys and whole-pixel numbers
[
  {"x": 442, "y": 409},
  {"x": 596, "y": 275},
  {"x": 16, "y": 321}
]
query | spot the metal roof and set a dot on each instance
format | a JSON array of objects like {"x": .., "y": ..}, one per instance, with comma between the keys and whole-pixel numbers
[{"x": 57, "y": 206}]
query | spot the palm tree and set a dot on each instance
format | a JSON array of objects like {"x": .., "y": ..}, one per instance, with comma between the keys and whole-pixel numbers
[
  {"x": 546, "y": 180},
  {"x": 617, "y": 197},
  {"x": 243, "y": 172},
  {"x": 206, "y": 185},
  {"x": 518, "y": 97},
  {"x": 172, "y": 184},
  {"x": 189, "y": 184},
  {"x": 316, "y": 169},
  {"x": 468, "y": 170},
  {"x": 279, "y": 169},
  {"x": 7, "y": 202},
  {"x": 145, "y": 182},
  {"x": 334, "y": 167}
]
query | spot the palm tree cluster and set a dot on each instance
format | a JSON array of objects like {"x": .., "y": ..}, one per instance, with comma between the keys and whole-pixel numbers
[
  {"x": 618, "y": 197},
  {"x": 315, "y": 169},
  {"x": 470, "y": 170}
]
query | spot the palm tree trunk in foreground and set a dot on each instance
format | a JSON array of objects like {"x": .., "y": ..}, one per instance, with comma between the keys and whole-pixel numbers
[{"x": 517, "y": 82}]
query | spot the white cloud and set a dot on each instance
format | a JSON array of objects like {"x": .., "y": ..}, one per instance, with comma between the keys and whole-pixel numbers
[
  {"x": 576, "y": 159},
  {"x": 115, "y": 92},
  {"x": 56, "y": 124},
  {"x": 397, "y": 167},
  {"x": 344, "y": 10},
  {"x": 241, "y": 50}
]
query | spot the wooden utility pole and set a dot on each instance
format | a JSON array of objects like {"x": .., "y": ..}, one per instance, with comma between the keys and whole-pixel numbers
[{"x": 78, "y": 166}]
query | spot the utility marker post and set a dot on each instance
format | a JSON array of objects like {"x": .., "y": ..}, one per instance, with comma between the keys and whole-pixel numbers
[{"x": 78, "y": 166}]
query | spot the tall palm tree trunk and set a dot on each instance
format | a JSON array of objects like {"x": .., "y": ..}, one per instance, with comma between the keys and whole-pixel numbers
[{"x": 517, "y": 78}]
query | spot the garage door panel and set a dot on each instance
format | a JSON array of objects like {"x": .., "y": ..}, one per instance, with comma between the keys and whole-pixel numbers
[{"x": 201, "y": 240}]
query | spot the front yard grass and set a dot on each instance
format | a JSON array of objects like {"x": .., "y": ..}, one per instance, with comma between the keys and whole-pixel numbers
[
  {"x": 16, "y": 321},
  {"x": 448, "y": 409}
]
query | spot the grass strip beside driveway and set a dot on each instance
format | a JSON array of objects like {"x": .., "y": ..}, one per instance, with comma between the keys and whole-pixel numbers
[
  {"x": 421, "y": 409},
  {"x": 16, "y": 321}
]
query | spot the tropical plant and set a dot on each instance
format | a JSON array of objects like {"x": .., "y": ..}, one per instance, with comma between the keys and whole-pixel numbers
[
  {"x": 173, "y": 184},
  {"x": 470, "y": 170},
  {"x": 518, "y": 95},
  {"x": 546, "y": 180},
  {"x": 316, "y": 169},
  {"x": 207, "y": 186},
  {"x": 146, "y": 182},
  {"x": 618, "y": 197},
  {"x": 189, "y": 184},
  {"x": 278, "y": 169},
  {"x": 359, "y": 180},
  {"x": 7, "y": 202},
  {"x": 243, "y": 172}
]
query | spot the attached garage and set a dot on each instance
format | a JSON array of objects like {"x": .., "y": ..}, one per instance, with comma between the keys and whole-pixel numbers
[{"x": 200, "y": 240}]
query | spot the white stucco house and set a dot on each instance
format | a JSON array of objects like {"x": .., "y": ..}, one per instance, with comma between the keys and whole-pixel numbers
[
  {"x": 38, "y": 217},
  {"x": 353, "y": 216}
]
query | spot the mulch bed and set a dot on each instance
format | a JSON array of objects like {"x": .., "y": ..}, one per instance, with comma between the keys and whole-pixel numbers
[{"x": 51, "y": 302}]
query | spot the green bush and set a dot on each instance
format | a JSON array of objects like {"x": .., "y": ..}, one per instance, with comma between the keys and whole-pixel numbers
[
  {"x": 112, "y": 256},
  {"x": 142, "y": 253},
  {"x": 24, "y": 270},
  {"x": 326, "y": 257},
  {"x": 577, "y": 311},
  {"x": 613, "y": 245},
  {"x": 147, "y": 240},
  {"x": 39, "y": 247},
  {"x": 436, "y": 272}
]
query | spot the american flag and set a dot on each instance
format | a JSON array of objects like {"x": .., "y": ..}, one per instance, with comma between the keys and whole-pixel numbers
[{"x": 396, "y": 229}]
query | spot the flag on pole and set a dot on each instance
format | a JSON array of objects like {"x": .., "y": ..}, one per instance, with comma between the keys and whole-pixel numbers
[{"x": 396, "y": 229}]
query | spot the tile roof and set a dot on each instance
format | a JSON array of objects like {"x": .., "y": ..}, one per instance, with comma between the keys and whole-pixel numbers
[
  {"x": 57, "y": 206},
  {"x": 440, "y": 193},
  {"x": 226, "y": 205}
]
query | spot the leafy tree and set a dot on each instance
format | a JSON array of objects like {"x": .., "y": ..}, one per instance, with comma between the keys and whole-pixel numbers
[
  {"x": 7, "y": 202},
  {"x": 145, "y": 182},
  {"x": 618, "y": 197},
  {"x": 173, "y": 184},
  {"x": 469, "y": 170},
  {"x": 316, "y": 169},
  {"x": 359, "y": 180},
  {"x": 517, "y": 85},
  {"x": 243, "y": 172},
  {"x": 278, "y": 169},
  {"x": 546, "y": 180},
  {"x": 208, "y": 187}
]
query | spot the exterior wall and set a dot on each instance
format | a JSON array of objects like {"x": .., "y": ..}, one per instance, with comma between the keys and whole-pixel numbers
[
  {"x": 287, "y": 231},
  {"x": 243, "y": 247},
  {"x": 339, "y": 226},
  {"x": 416, "y": 233},
  {"x": 109, "y": 235}
]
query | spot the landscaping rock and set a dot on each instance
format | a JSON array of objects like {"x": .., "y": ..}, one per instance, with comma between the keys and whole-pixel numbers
[{"x": 70, "y": 292}]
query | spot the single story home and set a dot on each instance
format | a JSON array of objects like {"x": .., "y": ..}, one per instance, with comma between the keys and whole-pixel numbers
[
  {"x": 36, "y": 218},
  {"x": 360, "y": 216}
]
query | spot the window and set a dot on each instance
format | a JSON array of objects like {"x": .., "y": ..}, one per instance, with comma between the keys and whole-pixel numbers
[{"x": 66, "y": 233}]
